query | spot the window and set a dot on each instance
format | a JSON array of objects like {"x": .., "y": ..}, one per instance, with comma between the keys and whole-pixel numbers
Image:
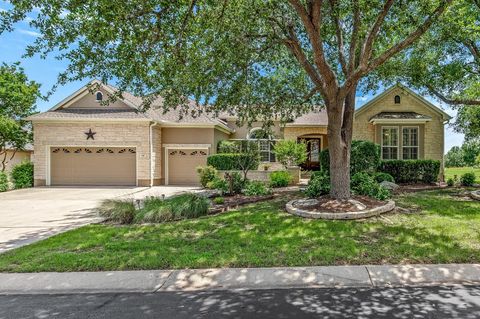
[
  {"x": 397, "y": 99},
  {"x": 99, "y": 96},
  {"x": 265, "y": 144},
  {"x": 389, "y": 143},
  {"x": 258, "y": 133},
  {"x": 409, "y": 143}
]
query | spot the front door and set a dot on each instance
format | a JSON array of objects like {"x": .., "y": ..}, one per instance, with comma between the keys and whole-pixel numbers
[{"x": 314, "y": 146}]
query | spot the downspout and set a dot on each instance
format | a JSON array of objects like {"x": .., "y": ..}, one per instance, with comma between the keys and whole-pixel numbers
[{"x": 151, "y": 152}]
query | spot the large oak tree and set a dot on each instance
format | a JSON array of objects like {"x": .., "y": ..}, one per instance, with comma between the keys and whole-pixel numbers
[{"x": 257, "y": 57}]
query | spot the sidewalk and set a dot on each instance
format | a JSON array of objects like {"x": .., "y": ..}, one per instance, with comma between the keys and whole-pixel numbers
[{"x": 238, "y": 278}]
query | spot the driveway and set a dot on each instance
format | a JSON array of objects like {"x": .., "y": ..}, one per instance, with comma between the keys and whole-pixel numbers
[{"x": 29, "y": 215}]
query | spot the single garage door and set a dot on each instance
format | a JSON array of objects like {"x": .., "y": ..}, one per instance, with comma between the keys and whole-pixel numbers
[
  {"x": 182, "y": 164},
  {"x": 93, "y": 166}
]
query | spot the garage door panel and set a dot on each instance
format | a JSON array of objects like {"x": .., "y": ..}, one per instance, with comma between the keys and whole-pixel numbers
[
  {"x": 93, "y": 166},
  {"x": 182, "y": 164}
]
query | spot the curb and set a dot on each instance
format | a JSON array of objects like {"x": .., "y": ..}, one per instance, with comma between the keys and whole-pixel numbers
[{"x": 144, "y": 281}]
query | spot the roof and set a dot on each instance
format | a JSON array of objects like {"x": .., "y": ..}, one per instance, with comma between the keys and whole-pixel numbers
[
  {"x": 156, "y": 113},
  {"x": 433, "y": 107},
  {"x": 400, "y": 116},
  {"x": 73, "y": 113},
  {"x": 314, "y": 118}
]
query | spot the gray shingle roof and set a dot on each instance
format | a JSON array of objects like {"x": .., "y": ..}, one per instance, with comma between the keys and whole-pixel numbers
[
  {"x": 400, "y": 116},
  {"x": 314, "y": 118}
]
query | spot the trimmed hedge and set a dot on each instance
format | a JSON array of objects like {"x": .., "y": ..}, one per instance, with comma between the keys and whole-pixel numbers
[
  {"x": 3, "y": 182},
  {"x": 22, "y": 175},
  {"x": 230, "y": 161},
  {"x": 365, "y": 157},
  {"x": 412, "y": 171}
]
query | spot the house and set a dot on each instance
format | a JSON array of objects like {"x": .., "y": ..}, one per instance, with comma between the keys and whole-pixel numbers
[
  {"x": 82, "y": 141},
  {"x": 11, "y": 157}
]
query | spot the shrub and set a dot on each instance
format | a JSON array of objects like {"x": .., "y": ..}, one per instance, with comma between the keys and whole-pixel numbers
[
  {"x": 228, "y": 147},
  {"x": 412, "y": 171},
  {"x": 235, "y": 182},
  {"x": 381, "y": 177},
  {"x": 290, "y": 153},
  {"x": 218, "y": 184},
  {"x": 364, "y": 157},
  {"x": 206, "y": 174},
  {"x": 256, "y": 188},
  {"x": 365, "y": 184},
  {"x": 319, "y": 184},
  {"x": 118, "y": 211},
  {"x": 467, "y": 179},
  {"x": 219, "y": 200},
  {"x": 182, "y": 206},
  {"x": 450, "y": 182},
  {"x": 232, "y": 161},
  {"x": 280, "y": 179},
  {"x": 3, "y": 182},
  {"x": 22, "y": 175}
]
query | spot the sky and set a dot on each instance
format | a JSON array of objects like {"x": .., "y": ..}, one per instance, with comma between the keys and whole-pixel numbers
[{"x": 45, "y": 72}]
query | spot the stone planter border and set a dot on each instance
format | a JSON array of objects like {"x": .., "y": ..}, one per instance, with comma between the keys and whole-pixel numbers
[
  {"x": 475, "y": 195},
  {"x": 390, "y": 205}
]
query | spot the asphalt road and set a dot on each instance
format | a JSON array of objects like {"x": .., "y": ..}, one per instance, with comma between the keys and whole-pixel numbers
[{"x": 425, "y": 302}]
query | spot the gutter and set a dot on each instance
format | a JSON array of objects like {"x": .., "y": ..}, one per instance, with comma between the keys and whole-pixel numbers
[{"x": 151, "y": 151}]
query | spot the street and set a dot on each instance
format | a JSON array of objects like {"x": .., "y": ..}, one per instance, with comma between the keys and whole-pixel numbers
[{"x": 406, "y": 302}]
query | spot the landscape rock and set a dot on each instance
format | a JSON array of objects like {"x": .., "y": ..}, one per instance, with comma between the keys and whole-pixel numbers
[{"x": 389, "y": 185}]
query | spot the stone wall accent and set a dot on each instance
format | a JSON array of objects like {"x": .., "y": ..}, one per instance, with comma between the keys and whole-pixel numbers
[
  {"x": 134, "y": 134},
  {"x": 292, "y": 132}
]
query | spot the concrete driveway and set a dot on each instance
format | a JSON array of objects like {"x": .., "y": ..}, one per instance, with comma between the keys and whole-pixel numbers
[{"x": 29, "y": 215}]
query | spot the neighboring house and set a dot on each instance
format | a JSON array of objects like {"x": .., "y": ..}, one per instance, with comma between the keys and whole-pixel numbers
[
  {"x": 14, "y": 157},
  {"x": 82, "y": 142}
]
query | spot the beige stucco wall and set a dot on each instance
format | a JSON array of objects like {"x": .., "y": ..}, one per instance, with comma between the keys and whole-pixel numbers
[
  {"x": 293, "y": 132},
  {"x": 134, "y": 134},
  {"x": 217, "y": 137},
  {"x": 89, "y": 101},
  {"x": 433, "y": 132},
  {"x": 19, "y": 157}
]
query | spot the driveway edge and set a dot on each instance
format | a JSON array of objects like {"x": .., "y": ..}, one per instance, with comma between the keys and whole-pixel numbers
[{"x": 146, "y": 281}]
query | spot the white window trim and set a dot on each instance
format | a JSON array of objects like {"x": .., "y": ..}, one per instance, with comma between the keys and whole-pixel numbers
[
  {"x": 397, "y": 128},
  {"x": 418, "y": 140},
  {"x": 249, "y": 134}
]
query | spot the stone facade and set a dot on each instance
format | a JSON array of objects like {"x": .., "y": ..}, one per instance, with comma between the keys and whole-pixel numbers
[
  {"x": 431, "y": 133},
  {"x": 47, "y": 135}
]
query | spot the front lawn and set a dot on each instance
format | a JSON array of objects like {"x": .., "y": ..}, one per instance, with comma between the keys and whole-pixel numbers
[
  {"x": 459, "y": 171},
  {"x": 442, "y": 228}
]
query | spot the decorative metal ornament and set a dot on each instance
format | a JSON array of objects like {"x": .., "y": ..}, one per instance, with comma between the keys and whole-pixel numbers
[{"x": 90, "y": 134}]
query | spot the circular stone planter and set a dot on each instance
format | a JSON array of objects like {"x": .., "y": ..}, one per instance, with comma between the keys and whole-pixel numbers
[
  {"x": 475, "y": 195},
  {"x": 295, "y": 207}
]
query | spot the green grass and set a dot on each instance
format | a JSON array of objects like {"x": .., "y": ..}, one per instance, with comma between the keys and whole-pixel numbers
[
  {"x": 444, "y": 229},
  {"x": 459, "y": 171}
]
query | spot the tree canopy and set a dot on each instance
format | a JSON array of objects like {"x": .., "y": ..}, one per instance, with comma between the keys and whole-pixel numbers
[
  {"x": 255, "y": 57},
  {"x": 17, "y": 100}
]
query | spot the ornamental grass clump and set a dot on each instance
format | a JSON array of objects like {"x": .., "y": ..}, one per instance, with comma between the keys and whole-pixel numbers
[{"x": 117, "y": 211}]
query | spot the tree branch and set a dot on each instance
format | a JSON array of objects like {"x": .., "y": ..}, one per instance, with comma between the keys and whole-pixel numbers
[
  {"x": 329, "y": 80},
  {"x": 339, "y": 35},
  {"x": 352, "y": 56},
  {"x": 373, "y": 33},
  {"x": 450, "y": 100}
]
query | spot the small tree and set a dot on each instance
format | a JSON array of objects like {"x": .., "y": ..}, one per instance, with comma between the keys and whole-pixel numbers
[
  {"x": 290, "y": 153},
  {"x": 250, "y": 158}
]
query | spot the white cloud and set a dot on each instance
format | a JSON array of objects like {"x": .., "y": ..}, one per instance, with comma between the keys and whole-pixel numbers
[{"x": 29, "y": 32}]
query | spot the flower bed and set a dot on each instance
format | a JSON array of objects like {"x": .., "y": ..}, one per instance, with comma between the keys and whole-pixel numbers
[{"x": 232, "y": 202}]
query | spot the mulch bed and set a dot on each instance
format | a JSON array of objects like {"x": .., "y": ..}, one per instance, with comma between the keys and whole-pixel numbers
[
  {"x": 233, "y": 202},
  {"x": 329, "y": 205}
]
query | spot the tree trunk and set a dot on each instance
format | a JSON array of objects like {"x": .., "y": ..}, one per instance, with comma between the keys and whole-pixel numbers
[{"x": 340, "y": 125}]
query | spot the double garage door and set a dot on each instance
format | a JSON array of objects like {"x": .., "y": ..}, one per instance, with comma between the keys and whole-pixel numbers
[
  {"x": 182, "y": 165},
  {"x": 93, "y": 166}
]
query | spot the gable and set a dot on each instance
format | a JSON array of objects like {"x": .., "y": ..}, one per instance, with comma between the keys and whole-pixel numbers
[
  {"x": 409, "y": 102},
  {"x": 86, "y": 99}
]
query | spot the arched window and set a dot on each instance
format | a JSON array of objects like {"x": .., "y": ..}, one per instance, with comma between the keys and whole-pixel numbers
[
  {"x": 99, "y": 96},
  {"x": 397, "y": 99},
  {"x": 258, "y": 133}
]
